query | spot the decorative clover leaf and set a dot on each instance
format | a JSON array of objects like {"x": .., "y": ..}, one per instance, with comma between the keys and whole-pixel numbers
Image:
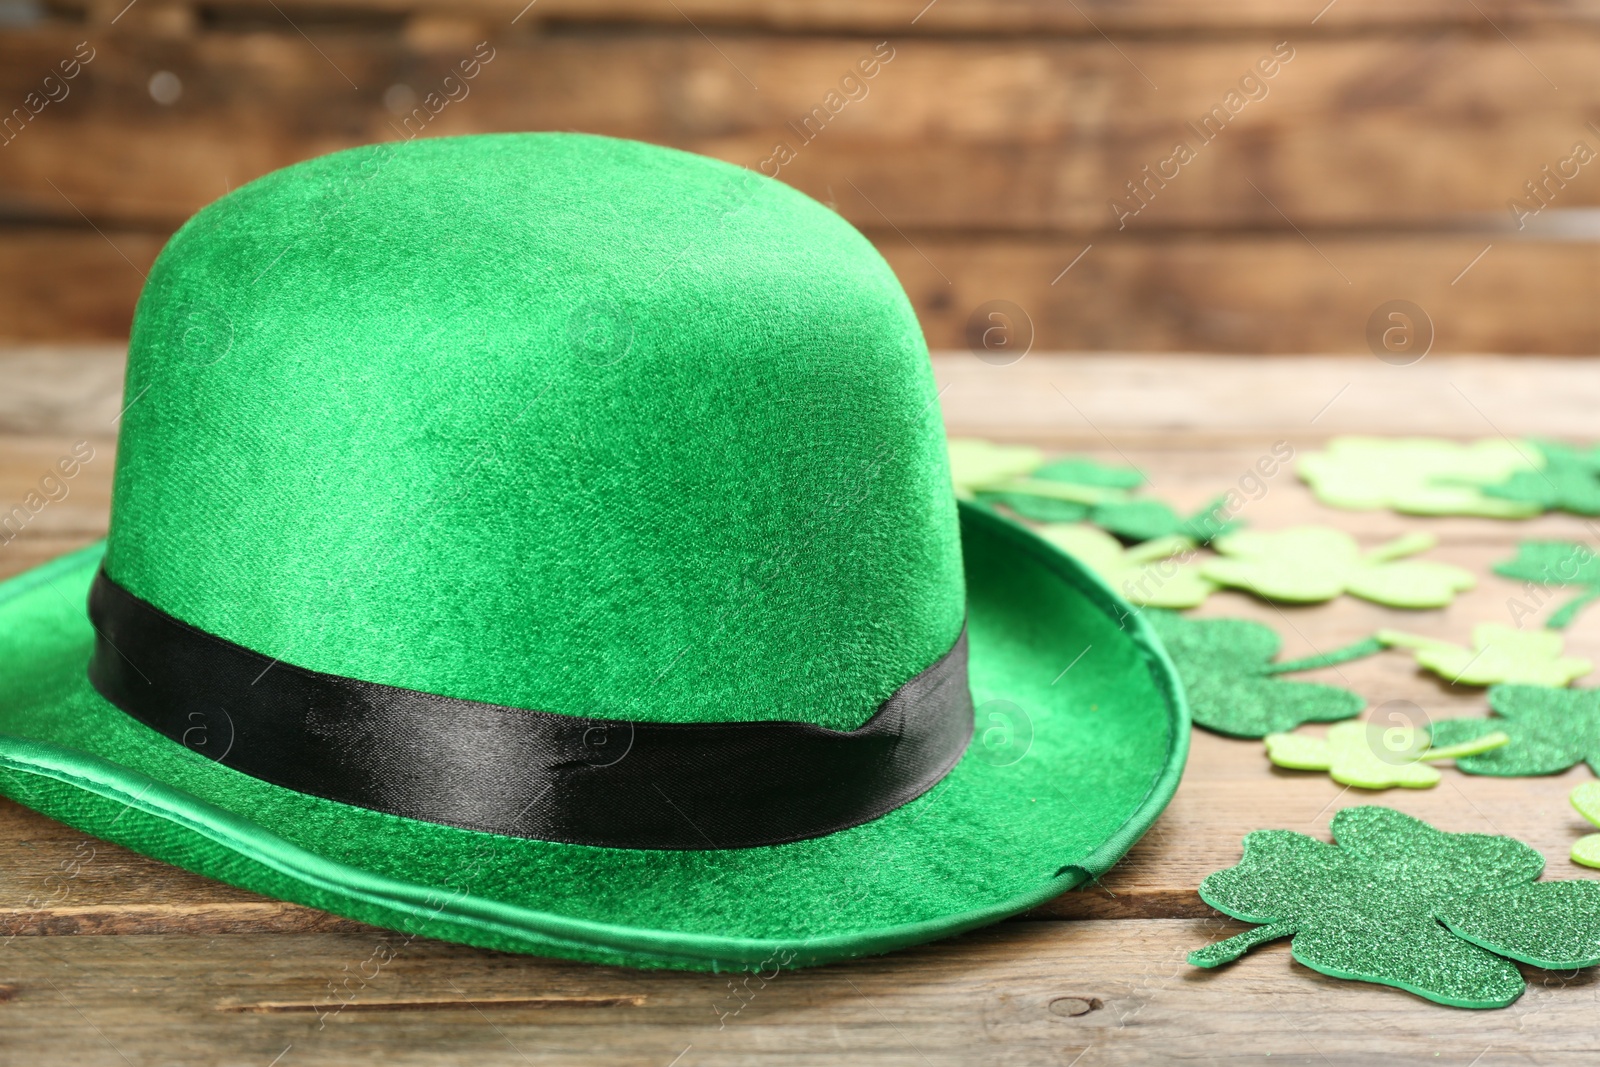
[
  {"x": 1145, "y": 519},
  {"x": 1063, "y": 490},
  {"x": 1400, "y": 903},
  {"x": 1229, "y": 675},
  {"x": 1570, "y": 481},
  {"x": 1154, "y": 574},
  {"x": 1310, "y": 564},
  {"x": 1546, "y": 563},
  {"x": 1036, "y": 507},
  {"x": 1080, "y": 470},
  {"x": 975, "y": 464},
  {"x": 1366, "y": 756},
  {"x": 1586, "y": 798},
  {"x": 1499, "y": 654},
  {"x": 1551, "y": 730},
  {"x": 1131, "y": 519},
  {"x": 1419, "y": 476}
]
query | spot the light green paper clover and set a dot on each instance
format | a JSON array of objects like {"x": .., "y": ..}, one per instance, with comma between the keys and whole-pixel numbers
[
  {"x": 1419, "y": 475},
  {"x": 1586, "y": 798},
  {"x": 1153, "y": 574},
  {"x": 1367, "y": 756},
  {"x": 1499, "y": 655},
  {"x": 976, "y": 464},
  {"x": 1311, "y": 564}
]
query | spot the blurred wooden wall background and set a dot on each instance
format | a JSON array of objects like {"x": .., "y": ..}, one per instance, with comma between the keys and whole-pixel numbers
[{"x": 1379, "y": 162}]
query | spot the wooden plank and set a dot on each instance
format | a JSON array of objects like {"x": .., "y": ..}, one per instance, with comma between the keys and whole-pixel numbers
[
  {"x": 1114, "y": 400},
  {"x": 1021, "y": 994},
  {"x": 1417, "y": 129},
  {"x": 1252, "y": 293},
  {"x": 70, "y": 284},
  {"x": 943, "y": 16},
  {"x": 1257, "y": 293}
]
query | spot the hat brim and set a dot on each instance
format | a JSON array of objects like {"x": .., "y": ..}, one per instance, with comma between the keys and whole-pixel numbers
[{"x": 1081, "y": 736}]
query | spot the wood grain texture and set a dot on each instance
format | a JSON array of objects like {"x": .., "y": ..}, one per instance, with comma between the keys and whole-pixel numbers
[
  {"x": 1018, "y": 995},
  {"x": 997, "y": 144},
  {"x": 184, "y": 970},
  {"x": 1416, "y": 130},
  {"x": 1082, "y": 17},
  {"x": 1259, "y": 293}
]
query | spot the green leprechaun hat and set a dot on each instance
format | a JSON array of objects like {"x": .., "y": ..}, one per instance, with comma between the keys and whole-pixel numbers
[{"x": 546, "y": 542}]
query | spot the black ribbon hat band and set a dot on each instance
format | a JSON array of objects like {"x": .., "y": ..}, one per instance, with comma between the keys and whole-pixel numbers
[{"x": 515, "y": 771}]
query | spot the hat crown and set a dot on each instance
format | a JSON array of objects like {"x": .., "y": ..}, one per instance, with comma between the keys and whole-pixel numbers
[{"x": 544, "y": 420}]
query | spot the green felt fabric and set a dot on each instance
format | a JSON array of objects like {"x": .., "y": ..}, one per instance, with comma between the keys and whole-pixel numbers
[
  {"x": 546, "y": 420},
  {"x": 1551, "y": 730},
  {"x": 1108, "y": 740},
  {"x": 1400, "y": 903},
  {"x": 1228, "y": 672}
]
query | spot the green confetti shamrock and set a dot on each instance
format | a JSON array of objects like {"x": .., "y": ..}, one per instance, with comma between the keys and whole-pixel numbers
[
  {"x": 1551, "y": 731},
  {"x": 1586, "y": 798},
  {"x": 1499, "y": 654},
  {"x": 1228, "y": 673},
  {"x": 1570, "y": 481},
  {"x": 1310, "y": 564},
  {"x": 1080, "y": 470},
  {"x": 1364, "y": 755},
  {"x": 1397, "y": 902},
  {"x": 1145, "y": 519},
  {"x": 1064, "y": 490},
  {"x": 1418, "y": 475},
  {"x": 1153, "y": 574},
  {"x": 1540, "y": 564},
  {"x": 1132, "y": 519},
  {"x": 975, "y": 464}
]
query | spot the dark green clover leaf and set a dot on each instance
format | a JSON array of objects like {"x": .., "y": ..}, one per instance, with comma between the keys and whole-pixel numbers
[
  {"x": 1063, "y": 490},
  {"x": 1229, "y": 675},
  {"x": 1547, "y": 563},
  {"x": 1080, "y": 470},
  {"x": 1400, "y": 903},
  {"x": 1570, "y": 481},
  {"x": 1551, "y": 730},
  {"x": 1035, "y": 507},
  {"x": 1147, "y": 519}
]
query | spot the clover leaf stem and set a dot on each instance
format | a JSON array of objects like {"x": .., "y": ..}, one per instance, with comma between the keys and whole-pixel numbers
[
  {"x": 1569, "y": 611},
  {"x": 1215, "y": 955},
  {"x": 1367, "y": 646}
]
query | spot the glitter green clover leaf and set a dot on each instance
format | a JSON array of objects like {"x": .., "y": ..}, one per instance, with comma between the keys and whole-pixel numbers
[
  {"x": 1397, "y": 902},
  {"x": 1545, "y": 566},
  {"x": 1392, "y": 900},
  {"x": 1230, "y": 674}
]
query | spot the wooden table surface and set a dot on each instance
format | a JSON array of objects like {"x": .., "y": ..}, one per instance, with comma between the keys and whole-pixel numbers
[{"x": 133, "y": 962}]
